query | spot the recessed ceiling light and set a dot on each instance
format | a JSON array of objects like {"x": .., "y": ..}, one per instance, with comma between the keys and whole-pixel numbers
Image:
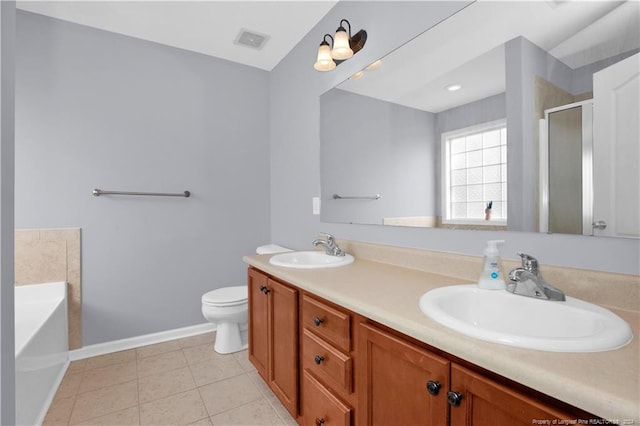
[
  {"x": 374, "y": 66},
  {"x": 453, "y": 87},
  {"x": 357, "y": 75}
]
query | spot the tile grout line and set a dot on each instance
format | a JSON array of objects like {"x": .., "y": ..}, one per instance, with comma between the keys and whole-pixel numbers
[
  {"x": 75, "y": 395},
  {"x": 139, "y": 406},
  {"x": 197, "y": 388}
]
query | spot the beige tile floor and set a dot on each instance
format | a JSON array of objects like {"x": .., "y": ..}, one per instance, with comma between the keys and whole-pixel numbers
[{"x": 180, "y": 382}]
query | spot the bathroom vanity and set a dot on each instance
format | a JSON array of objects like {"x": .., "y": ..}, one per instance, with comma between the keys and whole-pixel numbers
[{"x": 350, "y": 346}]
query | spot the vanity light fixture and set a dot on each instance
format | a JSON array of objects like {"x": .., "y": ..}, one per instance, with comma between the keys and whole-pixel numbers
[{"x": 343, "y": 46}]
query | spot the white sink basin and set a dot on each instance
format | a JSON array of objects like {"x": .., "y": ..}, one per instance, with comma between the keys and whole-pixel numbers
[
  {"x": 310, "y": 260},
  {"x": 502, "y": 317}
]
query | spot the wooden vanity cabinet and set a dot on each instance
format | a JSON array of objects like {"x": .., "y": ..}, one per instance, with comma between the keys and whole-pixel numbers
[
  {"x": 329, "y": 366},
  {"x": 273, "y": 336}
]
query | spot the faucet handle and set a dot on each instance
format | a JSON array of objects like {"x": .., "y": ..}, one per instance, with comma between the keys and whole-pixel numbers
[
  {"x": 529, "y": 263},
  {"x": 330, "y": 238}
]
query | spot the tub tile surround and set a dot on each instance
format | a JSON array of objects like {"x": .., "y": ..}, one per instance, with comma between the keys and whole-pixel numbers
[
  {"x": 178, "y": 382},
  {"x": 49, "y": 255},
  {"x": 386, "y": 282}
]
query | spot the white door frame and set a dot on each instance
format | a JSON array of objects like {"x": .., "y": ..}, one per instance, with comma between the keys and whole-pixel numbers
[{"x": 587, "y": 165}]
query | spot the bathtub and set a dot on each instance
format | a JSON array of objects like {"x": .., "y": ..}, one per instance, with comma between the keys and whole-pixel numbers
[{"x": 42, "y": 354}]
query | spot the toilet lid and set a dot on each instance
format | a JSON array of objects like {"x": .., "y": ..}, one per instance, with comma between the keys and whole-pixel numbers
[{"x": 226, "y": 296}]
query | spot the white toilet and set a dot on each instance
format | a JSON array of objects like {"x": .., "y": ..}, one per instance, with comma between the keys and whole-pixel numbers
[{"x": 227, "y": 307}]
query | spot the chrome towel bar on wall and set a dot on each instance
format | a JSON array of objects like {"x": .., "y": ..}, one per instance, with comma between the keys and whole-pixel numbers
[
  {"x": 366, "y": 197},
  {"x": 97, "y": 192}
]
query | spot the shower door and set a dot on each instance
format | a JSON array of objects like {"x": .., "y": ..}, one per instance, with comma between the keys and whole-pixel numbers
[{"x": 566, "y": 174}]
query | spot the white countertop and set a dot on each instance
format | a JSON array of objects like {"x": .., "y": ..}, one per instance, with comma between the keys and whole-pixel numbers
[{"x": 605, "y": 384}]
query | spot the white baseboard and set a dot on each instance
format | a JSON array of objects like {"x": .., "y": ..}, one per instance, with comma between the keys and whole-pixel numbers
[{"x": 134, "y": 342}]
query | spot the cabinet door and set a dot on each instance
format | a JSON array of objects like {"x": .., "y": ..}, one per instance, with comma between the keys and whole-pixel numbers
[
  {"x": 258, "y": 323},
  {"x": 485, "y": 402},
  {"x": 283, "y": 312},
  {"x": 392, "y": 380}
]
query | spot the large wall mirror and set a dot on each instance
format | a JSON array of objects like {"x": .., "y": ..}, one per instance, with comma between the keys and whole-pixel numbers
[{"x": 513, "y": 115}]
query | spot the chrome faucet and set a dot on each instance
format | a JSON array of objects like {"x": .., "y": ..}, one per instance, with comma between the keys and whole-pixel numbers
[
  {"x": 330, "y": 246},
  {"x": 527, "y": 281}
]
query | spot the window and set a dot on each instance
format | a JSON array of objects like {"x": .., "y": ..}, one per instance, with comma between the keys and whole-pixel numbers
[{"x": 475, "y": 174}]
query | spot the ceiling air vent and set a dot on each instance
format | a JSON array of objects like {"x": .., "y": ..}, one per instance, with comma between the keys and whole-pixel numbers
[{"x": 251, "y": 39}]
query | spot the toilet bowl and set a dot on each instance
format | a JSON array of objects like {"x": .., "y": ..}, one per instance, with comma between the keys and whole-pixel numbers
[{"x": 227, "y": 307}]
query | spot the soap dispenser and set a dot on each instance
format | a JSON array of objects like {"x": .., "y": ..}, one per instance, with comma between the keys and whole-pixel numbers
[{"x": 491, "y": 276}]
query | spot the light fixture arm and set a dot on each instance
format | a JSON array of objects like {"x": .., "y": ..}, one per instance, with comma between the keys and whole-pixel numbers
[
  {"x": 324, "y": 40},
  {"x": 341, "y": 28}
]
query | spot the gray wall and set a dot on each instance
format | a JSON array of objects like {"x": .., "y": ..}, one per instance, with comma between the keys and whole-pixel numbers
[
  {"x": 295, "y": 88},
  {"x": 100, "y": 110},
  {"x": 372, "y": 147},
  {"x": 524, "y": 60},
  {"x": 7, "y": 339}
]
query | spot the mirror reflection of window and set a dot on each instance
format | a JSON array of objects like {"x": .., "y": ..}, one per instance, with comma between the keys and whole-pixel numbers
[{"x": 475, "y": 175}]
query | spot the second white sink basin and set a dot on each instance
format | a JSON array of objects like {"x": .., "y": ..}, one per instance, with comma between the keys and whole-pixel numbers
[
  {"x": 310, "y": 260},
  {"x": 502, "y": 317}
]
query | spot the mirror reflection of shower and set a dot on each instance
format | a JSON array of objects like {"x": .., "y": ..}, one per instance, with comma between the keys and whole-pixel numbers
[{"x": 566, "y": 169}]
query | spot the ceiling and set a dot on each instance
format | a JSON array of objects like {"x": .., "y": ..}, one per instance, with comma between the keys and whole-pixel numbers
[
  {"x": 208, "y": 27},
  {"x": 414, "y": 75}
]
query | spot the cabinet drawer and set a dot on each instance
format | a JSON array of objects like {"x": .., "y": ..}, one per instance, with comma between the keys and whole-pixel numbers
[
  {"x": 330, "y": 323},
  {"x": 321, "y": 407},
  {"x": 326, "y": 362}
]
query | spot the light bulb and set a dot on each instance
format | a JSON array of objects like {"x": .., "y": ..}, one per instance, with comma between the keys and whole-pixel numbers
[
  {"x": 374, "y": 66},
  {"x": 341, "y": 49},
  {"x": 324, "y": 62}
]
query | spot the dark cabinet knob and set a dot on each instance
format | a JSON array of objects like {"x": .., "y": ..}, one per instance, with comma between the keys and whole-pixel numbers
[
  {"x": 264, "y": 289},
  {"x": 318, "y": 359},
  {"x": 454, "y": 398},
  {"x": 318, "y": 321},
  {"x": 433, "y": 387},
  {"x": 319, "y": 422}
]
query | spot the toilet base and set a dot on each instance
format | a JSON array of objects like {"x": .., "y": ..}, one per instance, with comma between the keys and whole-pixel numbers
[{"x": 230, "y": 338}]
